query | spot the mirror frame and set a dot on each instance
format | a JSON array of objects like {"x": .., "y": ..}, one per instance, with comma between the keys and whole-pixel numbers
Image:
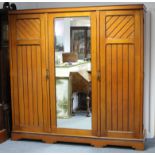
[{"x": 94, "y": 66}]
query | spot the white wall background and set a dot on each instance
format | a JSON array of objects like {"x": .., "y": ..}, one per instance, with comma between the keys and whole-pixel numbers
[{"x": 149, "y": 71}]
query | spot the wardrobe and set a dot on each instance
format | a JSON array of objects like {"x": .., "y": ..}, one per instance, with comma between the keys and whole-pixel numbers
[{"x": 107, "y": 79}]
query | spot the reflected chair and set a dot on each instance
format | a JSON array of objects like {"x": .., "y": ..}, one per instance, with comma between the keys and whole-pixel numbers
[{"x": 81, "y": 83}]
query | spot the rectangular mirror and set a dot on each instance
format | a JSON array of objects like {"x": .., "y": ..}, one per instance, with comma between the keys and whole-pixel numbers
[{"x": 73, "y": 72}]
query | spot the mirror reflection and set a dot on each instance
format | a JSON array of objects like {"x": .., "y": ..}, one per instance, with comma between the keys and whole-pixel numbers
[{"x": 73, "y": 72}]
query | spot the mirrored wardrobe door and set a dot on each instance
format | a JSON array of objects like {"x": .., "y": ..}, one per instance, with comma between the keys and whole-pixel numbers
[{"x": 72, "y": 71}]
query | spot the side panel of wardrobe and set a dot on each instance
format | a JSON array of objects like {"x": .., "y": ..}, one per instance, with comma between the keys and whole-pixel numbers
[
  {"x": 121, "y": 57},
  {"x": 30, "y": 100}
]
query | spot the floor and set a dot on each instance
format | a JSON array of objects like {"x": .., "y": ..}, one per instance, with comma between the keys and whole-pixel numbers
[
  {"x": 79, "y": 121},
  {"x": 25, "y": 146}
]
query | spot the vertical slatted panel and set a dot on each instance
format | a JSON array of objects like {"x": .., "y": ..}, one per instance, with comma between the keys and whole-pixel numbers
[
  {"x": 30, "y": 86},
  {"x": 20, "y": 84},
  {"x": 15, "y": 89},
  {"x": 25, "y": 88},
  {"x": 108, "y": 85},
  {"x": 29, "y": 64},
  {"x": 114, "y": 87},
  {"x": 120, "y": 75},
  {"x": 120, "y": 86},
  {"x": 44, "y": 91},
  {"x": 131, "y": 87},
  {"x": 39, "y": 90},
  {"x": 125, "y": 87},
  {"x": 34, "y": 74},
  {"x": 121, "y": 37},
  {"x": 30, "y": 78}
]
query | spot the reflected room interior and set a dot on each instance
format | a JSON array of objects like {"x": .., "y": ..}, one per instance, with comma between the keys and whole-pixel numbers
[{"x": 73, "y": 72}]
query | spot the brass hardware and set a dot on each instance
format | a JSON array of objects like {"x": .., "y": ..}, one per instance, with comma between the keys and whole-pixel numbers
[
  {"x": 98, "y": 75},
  {"x": 47, "y": 74}
]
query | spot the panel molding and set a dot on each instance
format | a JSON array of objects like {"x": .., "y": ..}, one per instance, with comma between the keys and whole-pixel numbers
[
  {"x": 28, "y": 29},
  {"x": 120, "y": 72},
  {"x": 28, "y": 73}
]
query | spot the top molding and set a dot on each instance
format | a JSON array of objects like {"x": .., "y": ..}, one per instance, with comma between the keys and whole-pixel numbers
[{"x": 81, "y": 9}]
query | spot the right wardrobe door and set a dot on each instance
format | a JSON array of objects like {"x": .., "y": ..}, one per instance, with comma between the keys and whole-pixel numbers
[{"x": 121, "y": 65}]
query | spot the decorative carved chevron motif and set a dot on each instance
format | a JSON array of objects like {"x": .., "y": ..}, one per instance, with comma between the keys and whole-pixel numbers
[
  {"x": 120, "y": 27},
  {"x": 28, "y": 29}
]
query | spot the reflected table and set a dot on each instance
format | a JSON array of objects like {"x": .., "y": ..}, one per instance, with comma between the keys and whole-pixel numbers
[{"x": 63, "y": 86}]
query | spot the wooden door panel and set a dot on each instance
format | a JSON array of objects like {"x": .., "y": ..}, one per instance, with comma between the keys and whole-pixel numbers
[
  {"x": 30, "y": 86},
  {"x": 121, "y": 73},
  {"x": 119, "y": 86},
  {"x": 31, "y": 110},
  {"x": 94, "y": 83}
]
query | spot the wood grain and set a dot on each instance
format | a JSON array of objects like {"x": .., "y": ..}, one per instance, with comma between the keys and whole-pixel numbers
[
  {"x": 29, "y": 64},
  {"x": 34, "y": 12},
  {"x": 117, "y": 75},
  {"x": 120, "y": 86},
  {"x": 94, "y": 141},
  {"x": 120, "y": 44},
  {"x": 51, "y": 19}
]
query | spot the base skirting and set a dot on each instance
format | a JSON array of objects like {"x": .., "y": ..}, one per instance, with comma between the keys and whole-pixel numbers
[
  {"x": 3, "y": 135},
  {"x": 95, "y": 141}
]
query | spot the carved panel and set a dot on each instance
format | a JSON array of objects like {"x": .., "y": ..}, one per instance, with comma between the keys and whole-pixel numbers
[
  {"x": 120, "y": 27},
  {"x": 28, "y": 29}
]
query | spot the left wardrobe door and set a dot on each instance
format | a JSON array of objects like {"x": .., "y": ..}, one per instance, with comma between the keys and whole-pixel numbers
[{"x": 29, "y": 66}]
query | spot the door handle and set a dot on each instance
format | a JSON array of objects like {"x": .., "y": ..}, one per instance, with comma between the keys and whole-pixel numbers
[
  {"x": 47, "y": 74},
  {"x": 98, "y": 75}
]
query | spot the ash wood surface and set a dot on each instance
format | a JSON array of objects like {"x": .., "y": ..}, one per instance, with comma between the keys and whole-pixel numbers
[
  {"x": 94, "y": 141},
  {"x": 81, "y": 9},
  {"x": 117, "y": 75},
  {"x": 121, "y": 73},
  {"x": 28, "y": 63},
  {"x": 51, "y": 18}
]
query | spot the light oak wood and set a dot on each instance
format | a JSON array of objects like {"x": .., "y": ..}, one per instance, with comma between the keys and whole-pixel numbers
[
  {"x": 52, "y": 68},
  {"x": 94, "y": 83},
  {"x": 28, "y": 42},
  {"x": 121, "y": 74},
  {"x": 94, "y": 141},
  {"x": 81, "y": 9},
  {"x": 29, "y": 63},
  {"x": 98, "y": 78},
  {"x": 117, "y": 76}
]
